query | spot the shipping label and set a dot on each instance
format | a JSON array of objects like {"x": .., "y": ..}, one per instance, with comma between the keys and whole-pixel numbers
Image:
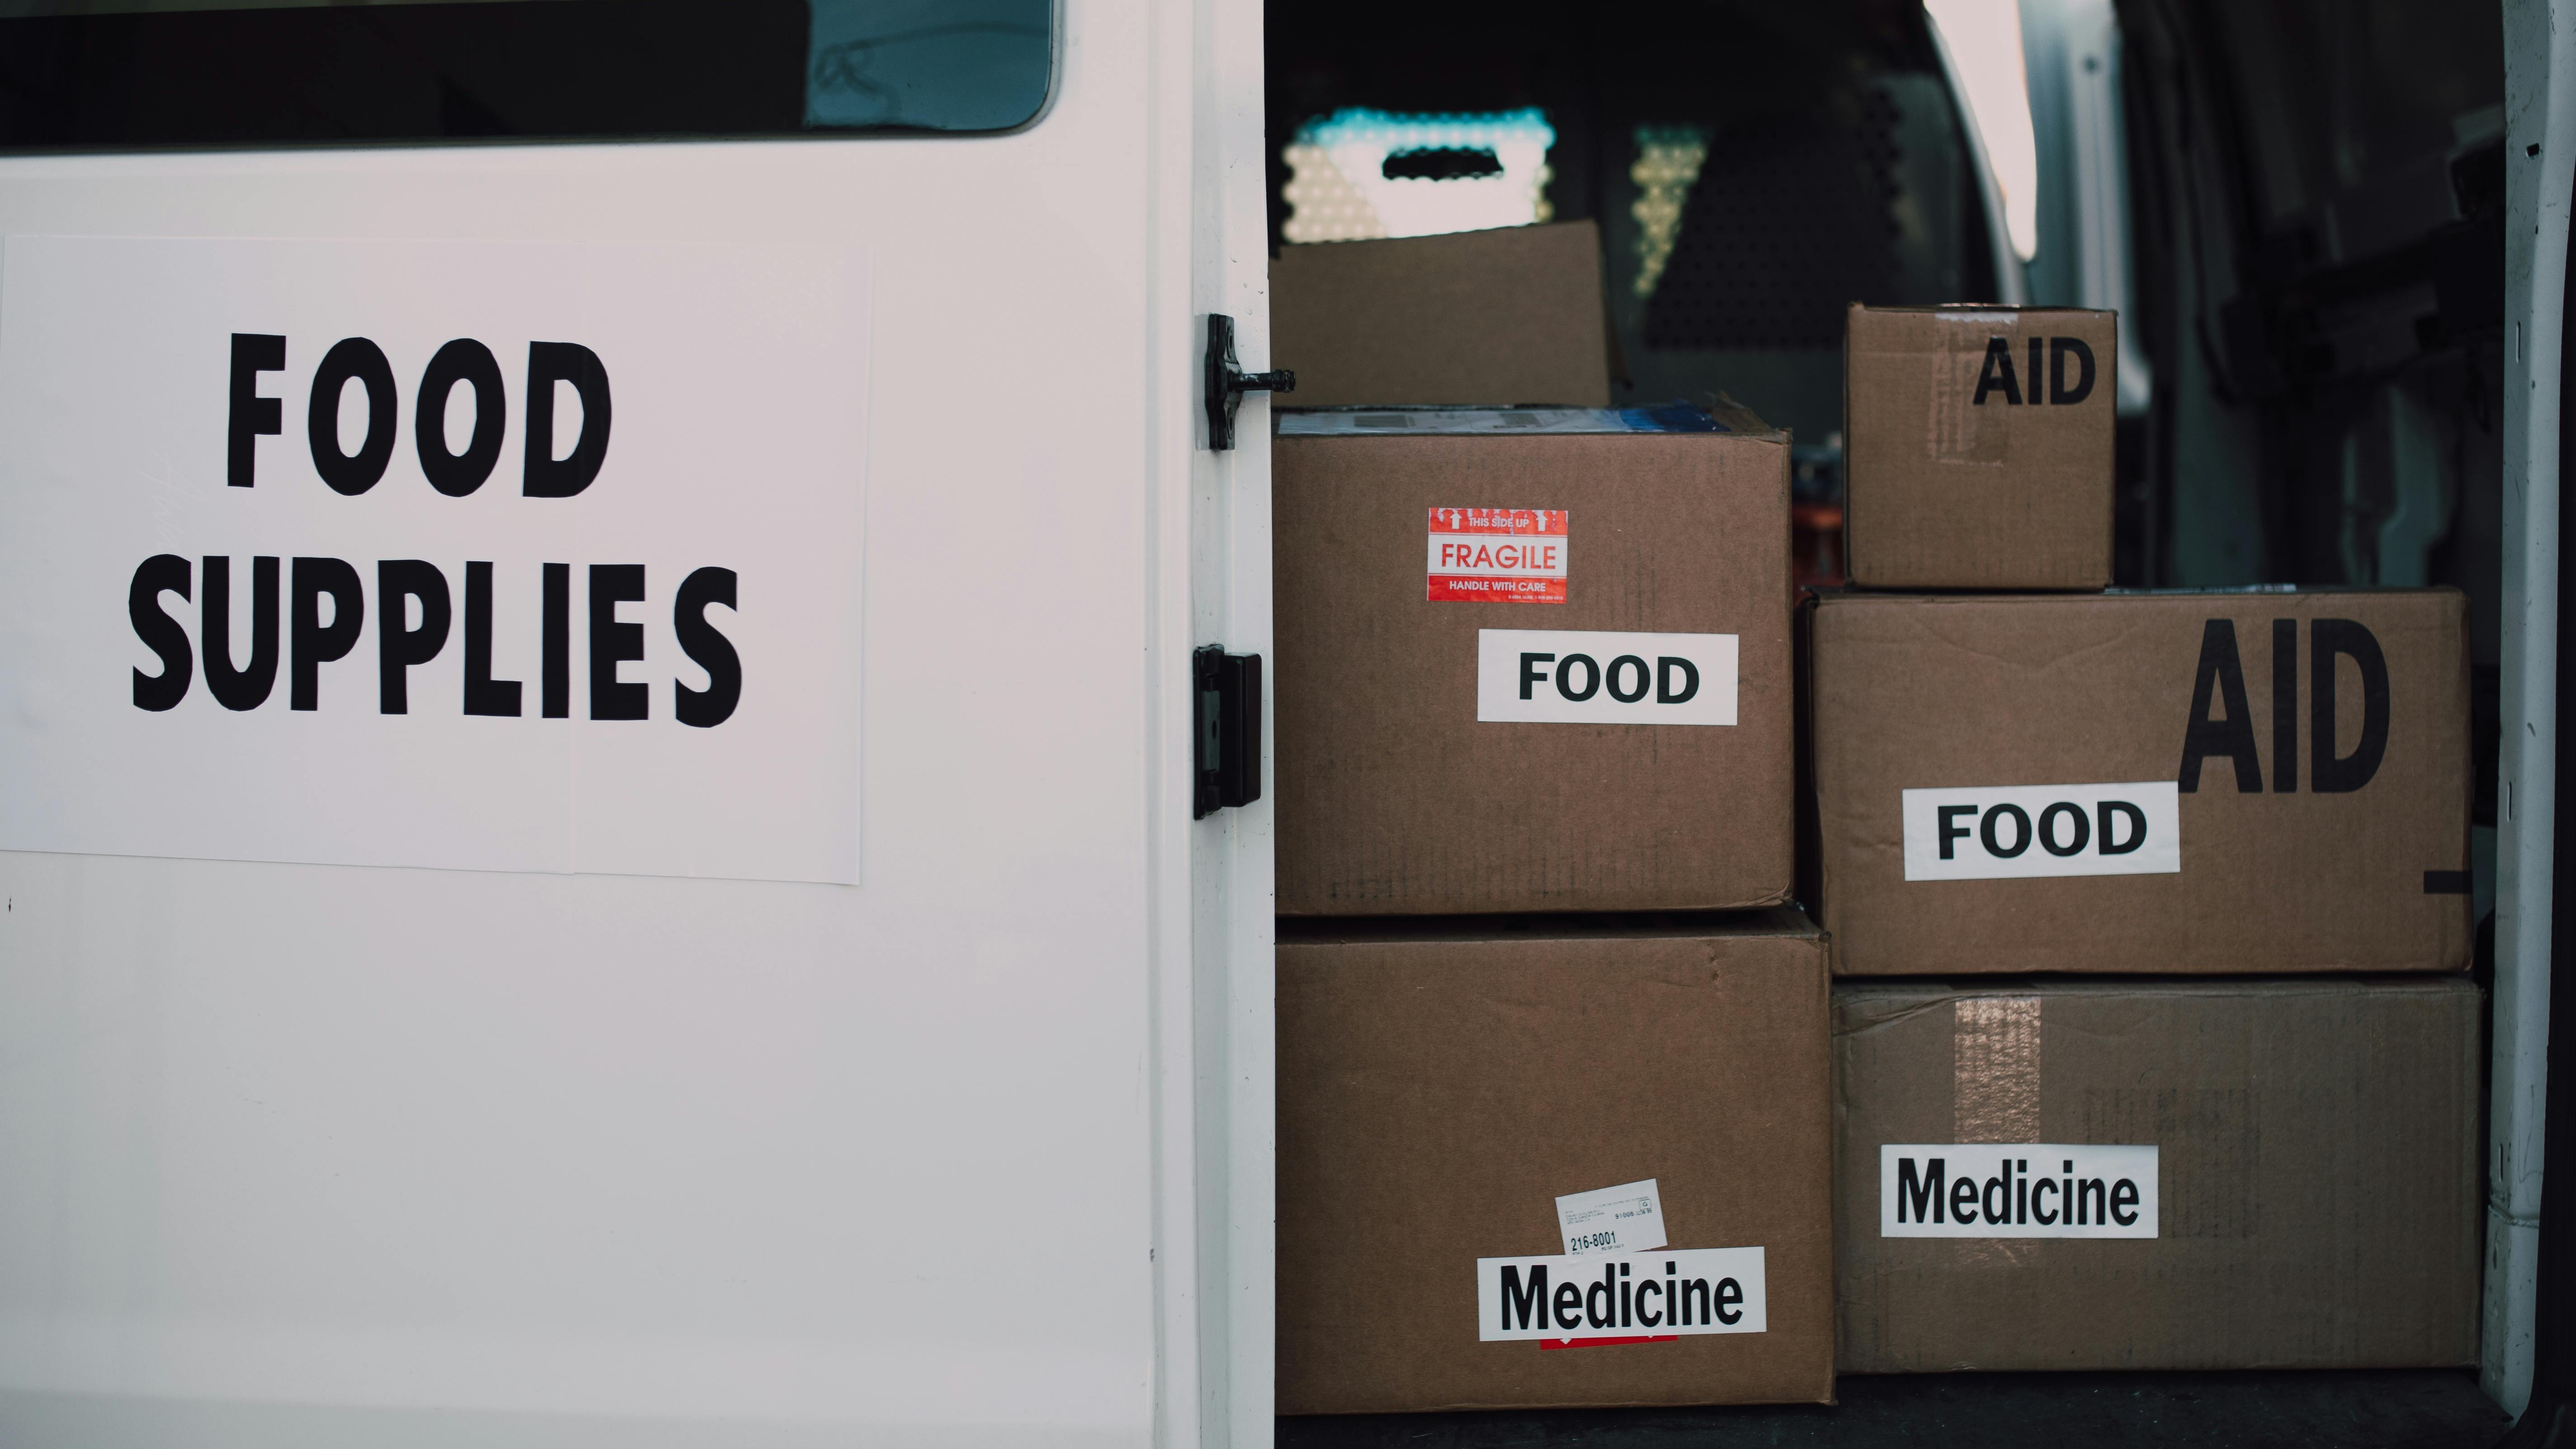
[
  {"x": 1624, "y": 1219},
  {"x": 1497, "y": 556},
  {"x": 1624, "y": 1297},
  {"x": 2006, "y": 832},
  {"x": 2016, "y": 1190},
  {"x": 1582, "y": 676}
]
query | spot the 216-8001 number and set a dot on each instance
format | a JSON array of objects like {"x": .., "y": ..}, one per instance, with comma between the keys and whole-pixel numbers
[{"x": 1592, "y": 1240}]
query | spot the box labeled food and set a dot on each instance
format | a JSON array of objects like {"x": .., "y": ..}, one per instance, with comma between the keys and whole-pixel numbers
[
  {"x": 1577, "y": 1161},
  {"x": 1979, "y": 446},
  {"x": 2261, "y": 781},
  {"x": 2168, "y": 1174},
  {"x": 1578, "y": 698}
]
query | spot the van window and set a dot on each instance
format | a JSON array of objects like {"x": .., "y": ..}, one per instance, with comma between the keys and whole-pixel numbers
[{"x": 112, "y": 74}]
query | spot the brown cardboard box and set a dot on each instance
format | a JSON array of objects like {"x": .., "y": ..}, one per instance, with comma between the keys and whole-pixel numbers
[
  {"x": 2259, "y": 852},
  {"x": 1502, "y": 317},
  {"x": 1966, "y": 470},
  {"x": 1441, "y": 1083},
  {"x": 2317, "y": 1157},
  {"x": 1396, "y": 799}
]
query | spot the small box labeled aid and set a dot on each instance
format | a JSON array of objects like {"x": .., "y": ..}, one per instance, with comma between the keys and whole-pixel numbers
[{"x": 1628, "y": 1218}]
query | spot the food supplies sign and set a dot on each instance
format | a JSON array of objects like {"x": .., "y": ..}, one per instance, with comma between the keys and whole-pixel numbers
[{"x": 491, "y": 556}]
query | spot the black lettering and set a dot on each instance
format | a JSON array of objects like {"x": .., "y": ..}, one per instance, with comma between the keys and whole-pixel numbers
[
  {"x": 1665, "y": 664},
  {"x": 2038, "y": 1214},
  {"x": 1692, "y": 1288},
  {"x": 2329, "y": 775},
  {"x": 351, "y": 358},
  {"x": 163, "y": 635},
  {"x": 1997, "y": 1198},
  {"x": 1951, "y": 829},
  {"x": 2137, "y": 826},
  {"x": 2124, "y": 1198},
  {"x": 1645, "y": 679},
  {"x": 612, "y": 643},
  {"x": 1531, "y": 1302},
  {"x": 1627, "y": 1305},
  {"x": 1987, "y": 833},
  {"x": 547, "y": 476},
  {"x": 2088, "y": 1193},
  {"x": 2060, "y": 349},
  {"x": 2048, "y": 833},
  {"x": 554, "y": 663},
  {"x": 1649, "y": 1317},
  {"x": 2037, "y": 394},
  {"x": 238, "y": 689},
  {"x": 310, "y": 642},
  {"x": 2232, "y": 736},
  {"x": 1601, "y": 1300},
  {"x": 484, "y": 695},
  {"x": 2021, "y": 1192},
  {"x": 1567, "y": 1306},
  {"x": 1531, "y": 673},
  {"x": 1998, "y": 373},
  {"x": 398, "y": 646},
  {"x": 1963, "y": 1200},
  {"x": 252, "y": 415},
  {"x": 708, "y": 649},
  {"x": 1729, "y": 1293},
  {"x": 470, "y": 362},
  {"x": 1922, "y": 1193},
  {"x": 1591, "y": 677},
  {"x": 2285, "y": 706}
]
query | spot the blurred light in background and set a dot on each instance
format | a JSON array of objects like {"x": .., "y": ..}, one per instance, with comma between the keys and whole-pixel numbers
[
  {"x": 1984, "y": 41},
  {"x": 1362, "y": 173}
]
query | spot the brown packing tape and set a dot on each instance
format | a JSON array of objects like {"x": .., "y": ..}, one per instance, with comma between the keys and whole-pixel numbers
[
  {"x": 1959, "y": 431},
  {"x": 1995, "y": 1081}
]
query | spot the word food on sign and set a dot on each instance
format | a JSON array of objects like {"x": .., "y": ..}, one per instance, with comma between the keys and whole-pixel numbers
[
  {"x": 1656, "y": 1294},
  {"x": 1576, "y": 676},
  {"x": 2221, "y": 724},
  {"x": 1497, "y": 556},
  {"x": 1997, "y": 376},
  {"x": 1624, "y": 1219},
  {"x": 1989, "y": 1190},
  {"x": 325, "y": 604},
  {"x": 2004, "y": 832}
]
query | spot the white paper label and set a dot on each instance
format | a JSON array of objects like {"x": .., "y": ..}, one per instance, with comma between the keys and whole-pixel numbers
[
  {"x": 1582, "y": 676},
  {"x": 631, "y": 645},
  {"x": 2002, "y": 832},
  {"x": 1626, "y": 1295},
  {"x": 2016, "y": 1190},
  {"x": 1624, "y": 1219}
]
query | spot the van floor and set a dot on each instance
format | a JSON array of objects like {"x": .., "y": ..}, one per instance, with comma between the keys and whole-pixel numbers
[{"x": 2417, "y": 1409}]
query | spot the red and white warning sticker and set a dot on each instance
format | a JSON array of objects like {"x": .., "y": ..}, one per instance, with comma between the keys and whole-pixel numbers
[{"x": 1497, "y": 556}]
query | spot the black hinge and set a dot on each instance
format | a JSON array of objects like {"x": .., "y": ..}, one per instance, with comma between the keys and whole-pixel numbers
[
  {"x": 1227, "y": 382},
  {"x": 1228, "y": 745}
]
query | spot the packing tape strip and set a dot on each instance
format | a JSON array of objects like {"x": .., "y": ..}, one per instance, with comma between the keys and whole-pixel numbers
[{"x": 1995, "y": 1084}]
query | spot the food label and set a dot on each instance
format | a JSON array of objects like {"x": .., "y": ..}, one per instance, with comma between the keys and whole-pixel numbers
[
  {"x": 1589, "y": 676},
  {"x": 1497, "y": 556},
  {"x": 2002, "y": 832}
]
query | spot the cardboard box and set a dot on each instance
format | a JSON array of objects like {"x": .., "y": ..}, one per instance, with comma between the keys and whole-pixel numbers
[
  {"x": 2168, "y": 754},
  {"x": 2311, "y": 1200},
  {"x": 1980, "y": 443},
  {"x": 1594, "y": 718},
  {"x": 1504, "y": 317},
  {"x": 1442, "y": 1083}
]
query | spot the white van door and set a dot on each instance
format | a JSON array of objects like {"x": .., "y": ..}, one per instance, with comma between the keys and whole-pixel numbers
[{"x": 600, "y": 757}]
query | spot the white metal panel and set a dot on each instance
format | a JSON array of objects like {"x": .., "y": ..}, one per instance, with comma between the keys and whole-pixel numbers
[
  {"x": 2540, "y": 144},
  {"x": 297, "y": 1154}
]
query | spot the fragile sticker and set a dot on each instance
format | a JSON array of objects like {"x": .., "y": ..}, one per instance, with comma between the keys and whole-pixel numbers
[
  {"x": 1497, "y": 556},
  {"x": 1624, "y": 1219},
  {"x": 2016, "y": 1190},
  {"x": 1572, "y": 1302}
]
